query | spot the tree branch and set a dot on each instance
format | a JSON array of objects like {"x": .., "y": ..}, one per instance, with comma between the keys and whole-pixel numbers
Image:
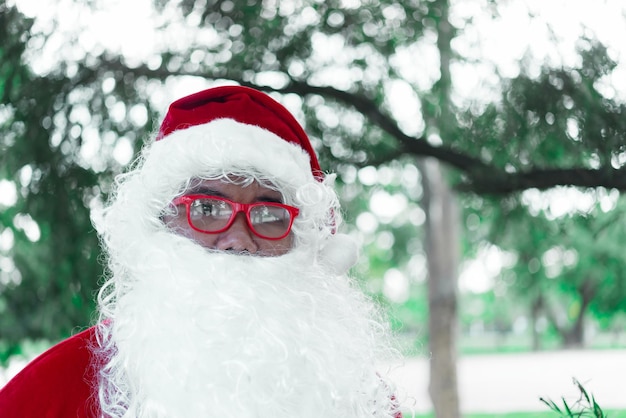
[
  {"x": 500, "y": 183},
  {"x": 415, "y": 146},
  {"x": 478, "y": 176}
]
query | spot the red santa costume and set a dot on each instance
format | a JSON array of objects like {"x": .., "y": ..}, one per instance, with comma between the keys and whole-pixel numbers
[{"x": 189, "y": 332}]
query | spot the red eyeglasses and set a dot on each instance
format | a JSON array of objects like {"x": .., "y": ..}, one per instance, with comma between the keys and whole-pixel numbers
[{"x": 215, "y": 214}]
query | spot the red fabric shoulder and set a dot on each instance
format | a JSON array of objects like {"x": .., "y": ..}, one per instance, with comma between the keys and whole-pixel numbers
[{"x": 60, "y": 383}]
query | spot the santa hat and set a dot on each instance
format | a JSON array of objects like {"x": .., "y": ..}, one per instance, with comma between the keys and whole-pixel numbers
[{"x": 249, "y": 118}]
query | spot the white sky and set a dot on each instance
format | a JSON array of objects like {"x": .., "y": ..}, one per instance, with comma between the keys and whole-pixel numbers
[{"x": 131, "y": 27}]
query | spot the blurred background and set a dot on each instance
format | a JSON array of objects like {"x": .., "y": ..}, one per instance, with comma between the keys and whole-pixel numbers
[{"x": 479, "y": 144}]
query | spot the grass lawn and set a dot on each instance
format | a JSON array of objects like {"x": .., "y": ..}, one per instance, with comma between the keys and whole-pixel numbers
[{"x": 547, "y": 414}]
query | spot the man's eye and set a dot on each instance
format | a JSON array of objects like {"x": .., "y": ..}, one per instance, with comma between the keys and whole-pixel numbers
[
  {"x": 269, "y": 214},
  {"x": 212, "y": 208},
  {"x": 207, "y": 208},
  {"x": 203, "y": 207}
]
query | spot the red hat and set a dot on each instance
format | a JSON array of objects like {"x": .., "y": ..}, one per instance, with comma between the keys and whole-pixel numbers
[{"x": 244, "y": 105}]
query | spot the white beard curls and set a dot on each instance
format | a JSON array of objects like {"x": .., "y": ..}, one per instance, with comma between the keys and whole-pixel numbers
[{"x": 207, "y": 334}]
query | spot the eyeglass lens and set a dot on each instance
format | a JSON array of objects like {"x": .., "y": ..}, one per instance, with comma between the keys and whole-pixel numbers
[{"x": 212, "y": 215}]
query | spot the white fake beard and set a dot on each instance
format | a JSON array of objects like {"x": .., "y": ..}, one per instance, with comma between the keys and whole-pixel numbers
[{"x": 206, "y": 334}]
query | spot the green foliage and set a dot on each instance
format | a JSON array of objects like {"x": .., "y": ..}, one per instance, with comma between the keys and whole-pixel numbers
[
  {"x": 585, "y": 406},
  {"x": 566, "y": 267},
  {"x": 557, "y": 121},
  {"x": 53, "y": 255},
  {"x": 50, "y": 269}
]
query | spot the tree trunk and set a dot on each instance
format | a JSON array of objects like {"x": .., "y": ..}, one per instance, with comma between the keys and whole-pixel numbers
[
  {"x": 535, "y": 311},
  {"x": 575, "y": 336},
  {"x": 442, "y": 253},
  {"x": 442, "y": 238}
]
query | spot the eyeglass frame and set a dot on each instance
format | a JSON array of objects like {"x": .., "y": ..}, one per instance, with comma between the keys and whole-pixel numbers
[{"x": 187, "y": 200}]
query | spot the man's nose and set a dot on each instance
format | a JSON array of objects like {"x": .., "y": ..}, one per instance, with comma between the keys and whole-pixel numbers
[{"x": 238, "y": 238}]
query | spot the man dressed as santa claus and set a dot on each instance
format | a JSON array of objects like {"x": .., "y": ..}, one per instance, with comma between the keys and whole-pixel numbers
[{"x": 228, "y": 293}]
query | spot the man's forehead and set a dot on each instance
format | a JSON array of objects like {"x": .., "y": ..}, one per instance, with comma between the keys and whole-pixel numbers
[
  {"x": 238, "y": 179},
  {"x": 233, "y": 180}
]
